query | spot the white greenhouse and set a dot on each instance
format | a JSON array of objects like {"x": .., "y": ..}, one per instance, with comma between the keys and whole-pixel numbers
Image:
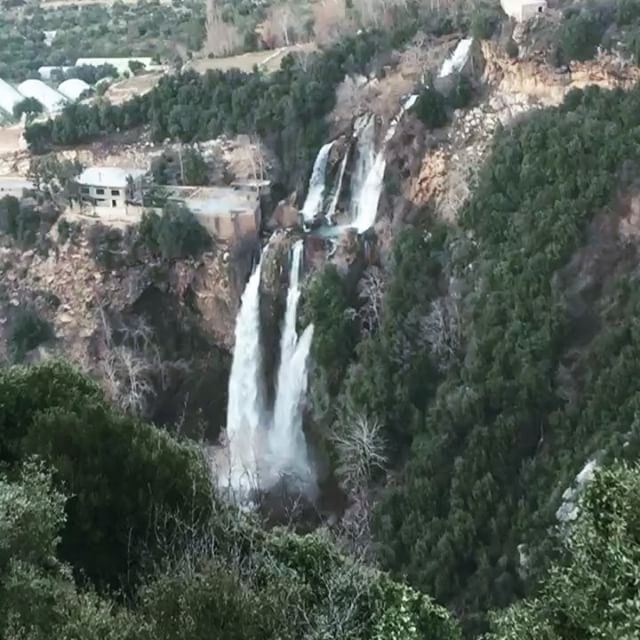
[
  {"x": 9, "y": 97},
  {"x": 73, "y": 88},
  {"x": 49, "y": 98}
]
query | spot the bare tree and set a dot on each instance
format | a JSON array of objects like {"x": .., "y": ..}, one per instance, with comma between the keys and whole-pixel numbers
[
  {"x": 371, "y": 292},
  {"x": 131, "y": 365},
  {"x": 222, "y": 38},
  {"x": 442, "y": 331},
  {"x": 359, "y": 446}
]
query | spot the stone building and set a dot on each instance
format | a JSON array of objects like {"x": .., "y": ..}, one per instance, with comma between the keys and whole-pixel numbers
[
  {"x": 521, "y": 10},
  {"x": 109, "y": 187}
]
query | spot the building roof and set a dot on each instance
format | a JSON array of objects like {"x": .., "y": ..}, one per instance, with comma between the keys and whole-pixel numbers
[
  {"x": 9, "y": 97},
  {"x": 73, "y": 88},
  {"x": 121, "y": 64},
  {"x": 49, "y": 98},
  {"x": 45, "y": 72},
  {"x": 108, "y": 176},
  {"x": 215, "y": 201},
  {"x": 513, "y": 8},
  {"x": 456, "y": 61}
]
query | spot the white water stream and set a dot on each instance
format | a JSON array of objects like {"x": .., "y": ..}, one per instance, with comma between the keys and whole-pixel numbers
[{"x": 315, "y": 195}]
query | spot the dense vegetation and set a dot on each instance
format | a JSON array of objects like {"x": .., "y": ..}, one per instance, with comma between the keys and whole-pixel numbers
[
  {"x": 593, "y": 593},
  {"x": 495, "y": 396},
  {"x": 152, "y": 29},
  {"x": 587, "y": 26},
  {"x": 173, "y": 234},
  {"x": 136, "y": 493},
  {"x": 286, "y": 108}
]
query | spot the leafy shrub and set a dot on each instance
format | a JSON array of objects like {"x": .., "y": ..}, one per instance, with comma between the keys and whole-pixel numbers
[
  {"x": 107, "y": 246},
  {"x": 627, "y": 12},
  {"x": 174, "y": 234},
  {"x": 512, "y": 49},
  {"x": 431, "y": 108},
  {"x": 29, "y": 106},
  {"x": 136, "y": 67},
  {"x": 123, "y": 474},
  {"x": 20, "y": 221},
  {"x": 196, "y": 171},
  {"x": 579, "y": 37},
  {"x": 485, "y": 19},
  {"x": 68, "y": 231},
  {"x": 28, "y": 331},
  {"x": 461, "y": 94},
  {"x": 326, "y": 305}
]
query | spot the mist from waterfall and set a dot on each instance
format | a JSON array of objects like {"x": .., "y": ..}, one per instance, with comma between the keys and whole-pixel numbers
[
  {"x": 314, "y": 201},
  {"x": 246, "y": 410},
  {"x": 287, "y": 447},
  {"x": 263, "y": 447},
  {"x": 366, "y": 190}
]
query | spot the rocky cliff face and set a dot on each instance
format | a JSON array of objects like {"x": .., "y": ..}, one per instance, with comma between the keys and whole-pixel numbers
[
  {"x": 182, "y": 312},
  {"x": 433, "y": 171}
]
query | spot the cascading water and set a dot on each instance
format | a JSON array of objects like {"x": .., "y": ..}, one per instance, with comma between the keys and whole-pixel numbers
[
  {"x": 333, "y": 205},
  {"x": 315, "y": 196},
  {"x": 365, "y": 160},
  {"x": 287, "y": 447},
  {"x": 263, "y": 449},
  {"x": 367, "y": 194},
  {"x": 246, "y": 411}
]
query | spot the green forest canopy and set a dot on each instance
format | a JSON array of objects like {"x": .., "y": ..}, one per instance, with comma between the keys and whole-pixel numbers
[
  {"x": 141, "y": 516},
  {"x": 542, "y": 377}
]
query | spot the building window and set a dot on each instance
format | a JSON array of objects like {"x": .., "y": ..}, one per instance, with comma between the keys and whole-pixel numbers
[
  {"x": 100, "y": 192},
  {"x": 84, "y": 190},
  {"x": 115, "y": 192}
]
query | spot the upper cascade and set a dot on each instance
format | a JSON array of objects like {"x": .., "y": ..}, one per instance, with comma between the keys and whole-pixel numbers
[
  {"x": 315, "y": 196},
  {"x": 366, "y": 192}
]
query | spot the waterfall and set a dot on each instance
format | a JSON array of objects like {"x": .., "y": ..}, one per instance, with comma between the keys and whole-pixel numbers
[
  {"x": 458, "y": 58},
  {"x": 265, "y": 448},
  {"x": 366, "y": 196},
  {"x": 336, "y": 193},
  {"x": 287, "y": 447},
  {"x": 315, "y": 195},
  {"x": 246, "y": 412},
  {"x": 365, "y": 159}
]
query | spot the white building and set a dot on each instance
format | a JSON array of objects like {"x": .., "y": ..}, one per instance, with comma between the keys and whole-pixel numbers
[
  {"x": 521, "y": 10},
  {"x": 49, "y": 98},
  {"x": 9, "y": 97},
  {"x": 73, "y": 88},
  {"x": 121, "y": 64},
  {"x": 45, "y": 72},
  {"x": 110, "y": 187}
]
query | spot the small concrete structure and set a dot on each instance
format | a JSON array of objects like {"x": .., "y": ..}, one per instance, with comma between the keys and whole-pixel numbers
[
  {"x": 14, "y": 186},
  {"x": 226, "y": 213},
  {"x": 109, "y": 187},
  {"x": 522, "y": 10},
  {"x": 121, "y": 64}
]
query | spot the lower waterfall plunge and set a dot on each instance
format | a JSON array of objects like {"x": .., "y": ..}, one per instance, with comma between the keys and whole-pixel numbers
[
  {"x": 287, "y": 446},
  {"x": 246, "y": 412},
  {"x": 263, "y": 447}
]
